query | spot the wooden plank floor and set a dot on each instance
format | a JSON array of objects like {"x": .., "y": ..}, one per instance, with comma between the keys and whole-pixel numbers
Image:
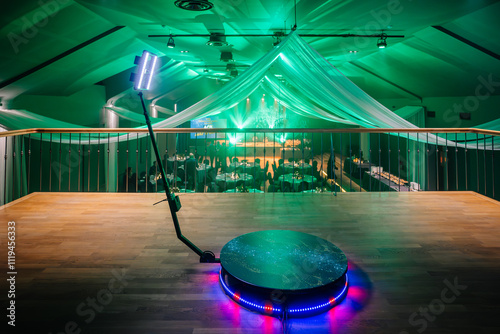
[{"x": 110, "y": 263}]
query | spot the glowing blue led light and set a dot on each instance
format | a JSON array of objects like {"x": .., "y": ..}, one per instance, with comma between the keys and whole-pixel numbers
[
  {"x": 147, "y": 65},
  {"x": 154, "y": 59},
  {"x": 244, "y": 301},
  {"x": 331, "y": 302},
  {"x": 238, "y": 299}
]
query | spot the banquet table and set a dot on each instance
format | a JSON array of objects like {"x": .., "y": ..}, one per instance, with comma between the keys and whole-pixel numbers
[
  {"x": 202, "y": 171},
  {"x": 302, "y": 167},
  {"x": 156, "y": 184},
  {"x": 175, "y": 162},
  {"x": 381, "y": 183},
  {"x": 229, "y": 180},
  {"x": 186, "y": 191},
  {"x": 324, "y": 191},
  {"x": 295, "y": 181},
  {"x": 356, "y": 168},
  {"x": 257, "y": 191},
  {"x": 241, "y": 166}
]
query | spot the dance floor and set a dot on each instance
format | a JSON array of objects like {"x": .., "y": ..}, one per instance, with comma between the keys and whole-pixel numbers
[{"x": 111, "y": 262}]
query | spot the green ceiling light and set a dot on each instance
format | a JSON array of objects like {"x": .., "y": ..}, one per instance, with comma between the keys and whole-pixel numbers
[
  {"x": 171, "y": 43},
  {"x": 382, "y": 42},
  {"x": 194, "y": 5},
  {"x": 232, "y": 139}
]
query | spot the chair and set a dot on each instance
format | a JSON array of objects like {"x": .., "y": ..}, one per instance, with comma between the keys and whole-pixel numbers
[
  {"x": 303, "y": 186},
  {"x": 287, "y": 186},
  {"x": 181, "y": 174},
  {"x": 273, "y": 187},
  {"x": 142, "y": 182}
]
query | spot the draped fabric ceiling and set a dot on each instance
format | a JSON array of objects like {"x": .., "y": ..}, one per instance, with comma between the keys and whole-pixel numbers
[
  {"x": 299, "y": 78},
  {"x": 304, "y": 82}
]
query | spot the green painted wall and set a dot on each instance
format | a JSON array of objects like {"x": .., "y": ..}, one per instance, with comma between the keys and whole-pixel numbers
[
  {"x": 82, "y": 108},
  {"x": 448, "y": 109}
]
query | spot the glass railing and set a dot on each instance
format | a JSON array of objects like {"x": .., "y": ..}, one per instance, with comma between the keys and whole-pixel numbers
[{"x": 249, "y": 160}]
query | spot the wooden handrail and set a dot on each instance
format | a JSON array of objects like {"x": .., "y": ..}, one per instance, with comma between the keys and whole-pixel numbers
[{"x": 234, "y": 130}]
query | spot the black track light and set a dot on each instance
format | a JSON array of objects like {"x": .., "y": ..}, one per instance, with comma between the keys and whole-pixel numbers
[{"x": 171, "y": 43}]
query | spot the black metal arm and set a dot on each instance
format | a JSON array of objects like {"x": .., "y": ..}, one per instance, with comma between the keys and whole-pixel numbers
[{"x": 173, "y": 200}]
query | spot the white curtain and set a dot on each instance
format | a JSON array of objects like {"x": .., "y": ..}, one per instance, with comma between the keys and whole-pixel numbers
[
  {"x": 300, "y": 78},
  {"x": 12, "y": 168},
  {"x": 416, "y": 159},
  {"x": 5, "y": 185}
]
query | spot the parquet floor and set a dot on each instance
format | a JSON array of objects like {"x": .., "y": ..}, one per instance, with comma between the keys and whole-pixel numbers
[{"x": 111, "y": 263}]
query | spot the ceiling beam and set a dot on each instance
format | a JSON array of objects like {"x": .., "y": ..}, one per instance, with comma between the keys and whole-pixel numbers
[
  {"x": 387, "y": 81},
  {"x": 59, "y": 57},
  {"x": 279, "y": 35},
  {"x": 468, "y": 42}
]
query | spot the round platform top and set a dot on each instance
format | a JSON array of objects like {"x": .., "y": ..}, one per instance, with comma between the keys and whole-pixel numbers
[{"x": 283, "y": 260}]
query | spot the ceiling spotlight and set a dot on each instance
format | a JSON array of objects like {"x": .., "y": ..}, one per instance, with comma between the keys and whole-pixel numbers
[
  {"x": 278, "y": 35},
  {"x": 226, "y": 56},
  {"x": 171, "y": 43},
  {"x": 230, "y": 67},
  {"x": 217, "y": 39},
  {"x": 194, "y": 5},
  {"x": 234, "y": 73},
  {"x": 382, "y": 42}
]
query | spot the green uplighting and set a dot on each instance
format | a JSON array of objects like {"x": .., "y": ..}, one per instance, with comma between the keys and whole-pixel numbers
[{"x": 232, "y": 139}]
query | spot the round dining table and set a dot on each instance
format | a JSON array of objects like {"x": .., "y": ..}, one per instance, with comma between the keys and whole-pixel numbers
[
  {"x": 301, "y": 167},
  {"x": 241, "y": 166},
  {"x": 295, "y": 180},
  {"x": 252, "y": 190},
  {"x": 229, "y": 180}
]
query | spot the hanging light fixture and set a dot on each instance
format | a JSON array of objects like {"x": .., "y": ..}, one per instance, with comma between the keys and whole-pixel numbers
[
  {"x": 171, "y": 43},
  {"x": 217, "y": 39},
  {"x": 226, "y": 56},
  {"x": 382, "y": 42},
  {"x": 278, "y": 35},
  {"x": 194, "y": 5}
]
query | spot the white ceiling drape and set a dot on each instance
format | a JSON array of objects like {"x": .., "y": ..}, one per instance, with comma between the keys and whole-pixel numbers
[{"x": 303, "y": 81}]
